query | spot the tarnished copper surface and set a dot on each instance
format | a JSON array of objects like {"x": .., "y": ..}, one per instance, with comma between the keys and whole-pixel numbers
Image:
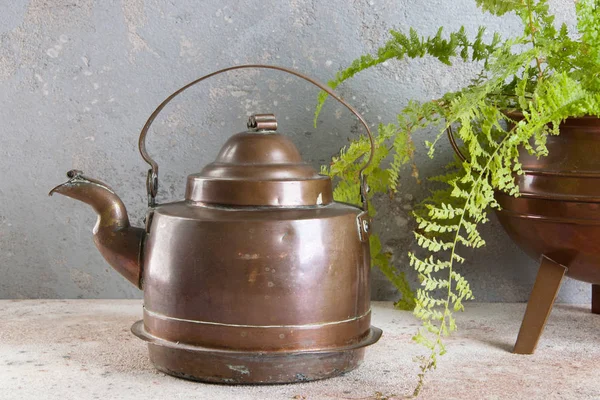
[
  {"x": 118, "y": 242},
  {"x": 259, "y": 169},
  {"x": 262, "y": 122},
  {"x": 556, "y": 218},
  {"x": 266, "y": 337},
  {"x": 541, "y": 301},
  {"x": 256, "y": 367},
  {"x": 596, "y": 299},
  {"x": 257, "y": 276},
  {"x": 558, "y": 212},
  {"x": 299, "y": 272}
]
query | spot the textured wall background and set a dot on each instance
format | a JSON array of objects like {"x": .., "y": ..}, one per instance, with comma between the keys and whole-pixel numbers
[{"x": 78, "y": 78}]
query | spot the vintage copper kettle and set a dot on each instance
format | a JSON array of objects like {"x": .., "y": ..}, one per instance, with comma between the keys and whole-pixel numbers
[{"x": 258, "y": 276}]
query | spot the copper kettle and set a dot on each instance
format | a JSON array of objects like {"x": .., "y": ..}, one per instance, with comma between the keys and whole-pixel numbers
[{"x": 258, "y": 276}]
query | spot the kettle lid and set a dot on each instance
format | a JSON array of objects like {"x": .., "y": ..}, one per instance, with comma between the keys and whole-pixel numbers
[{"x": 259, "y": 167}]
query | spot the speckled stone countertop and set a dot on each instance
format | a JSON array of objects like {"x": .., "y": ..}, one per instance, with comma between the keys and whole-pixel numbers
[{"x": 83, "y": 349}]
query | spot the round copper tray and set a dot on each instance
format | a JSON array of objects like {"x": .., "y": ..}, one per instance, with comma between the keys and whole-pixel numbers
[{"x": 252, "y": 367}]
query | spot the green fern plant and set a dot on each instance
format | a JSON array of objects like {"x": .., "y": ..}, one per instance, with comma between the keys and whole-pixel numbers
[{"x": 546, "y": 73}]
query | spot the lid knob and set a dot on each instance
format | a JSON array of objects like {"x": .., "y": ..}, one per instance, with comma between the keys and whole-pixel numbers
[{"x": 262, "y": 122}]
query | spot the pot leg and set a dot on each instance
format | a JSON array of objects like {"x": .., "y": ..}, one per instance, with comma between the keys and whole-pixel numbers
[
  {"x": 596, "y": 299},
  {"x": 546, "y": 286}
]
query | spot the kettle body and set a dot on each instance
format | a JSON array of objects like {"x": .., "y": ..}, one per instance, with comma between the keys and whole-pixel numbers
[{"x": 280, "y": 285}]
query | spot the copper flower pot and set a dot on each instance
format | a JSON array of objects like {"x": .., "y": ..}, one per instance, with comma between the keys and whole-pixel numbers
[
  {"x": 557, "y": 218},
  {"x": 558, "y": 212}
]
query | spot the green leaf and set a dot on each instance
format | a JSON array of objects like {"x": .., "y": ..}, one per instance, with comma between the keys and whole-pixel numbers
[{"x": 547, "y": 74}]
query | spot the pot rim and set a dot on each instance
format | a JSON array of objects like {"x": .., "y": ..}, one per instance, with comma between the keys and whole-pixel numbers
[{"x": 516, "y": 114}]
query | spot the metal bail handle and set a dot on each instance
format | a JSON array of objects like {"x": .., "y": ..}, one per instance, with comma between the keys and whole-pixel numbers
[
  {"x": 152, "y": 180},
  {"x": 455, "y": 147}
]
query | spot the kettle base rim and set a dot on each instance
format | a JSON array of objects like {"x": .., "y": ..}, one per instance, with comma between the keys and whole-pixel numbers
[{"x": 234, "y": 367}]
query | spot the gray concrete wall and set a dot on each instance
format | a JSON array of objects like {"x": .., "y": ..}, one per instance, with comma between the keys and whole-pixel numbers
[{"x": 78, "y": 79}]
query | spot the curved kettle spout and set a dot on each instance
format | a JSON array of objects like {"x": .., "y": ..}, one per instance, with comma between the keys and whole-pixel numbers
[{"x": 119, "y": 243}]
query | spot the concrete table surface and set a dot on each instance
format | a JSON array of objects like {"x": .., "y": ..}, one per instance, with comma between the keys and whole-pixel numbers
[{"x": 83, "y": 349}]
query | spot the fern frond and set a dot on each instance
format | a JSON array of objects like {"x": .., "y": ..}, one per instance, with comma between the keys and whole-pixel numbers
[
  {"x": 500, "y": 7},
  {"x": 415, "y": 46},
  {"x": 547, "y": 73}
]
